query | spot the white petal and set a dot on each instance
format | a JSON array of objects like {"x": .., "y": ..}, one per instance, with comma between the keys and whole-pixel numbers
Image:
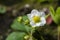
[
  {"x": 42, "y": 14},
  {"x": 37, "y": 14},
  {"x": 34, "y": 11},
  {"x": 32, "y": 24},
  {"x": 29, "y": 17},
  {"x": 39, "y": 24},
  {"x": 43, "y": 21}
]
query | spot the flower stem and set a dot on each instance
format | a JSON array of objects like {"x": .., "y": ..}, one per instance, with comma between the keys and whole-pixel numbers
[
  {"x": 58, "y": 32},
  {"x": 32, "y": 30},
  {"x": 47, "y": 15},
  {"x": 30, "y": 35}
]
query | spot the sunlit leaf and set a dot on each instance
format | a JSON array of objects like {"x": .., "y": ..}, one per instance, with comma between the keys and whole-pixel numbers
[
  {"x": 52, "y": 11},
  {"x": 20, "y": 26},
  {"x": 55, "y": 15},
  {"x": 58, "y": 15},
  {"x": 16, "y": 36},
  {"x": 58, "y": 11}
]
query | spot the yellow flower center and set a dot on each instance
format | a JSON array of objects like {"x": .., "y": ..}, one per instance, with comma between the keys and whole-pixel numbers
[{"x": 36, "y": 19}]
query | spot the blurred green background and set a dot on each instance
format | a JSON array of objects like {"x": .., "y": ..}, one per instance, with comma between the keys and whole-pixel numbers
[{"x": 10, "y": 9}]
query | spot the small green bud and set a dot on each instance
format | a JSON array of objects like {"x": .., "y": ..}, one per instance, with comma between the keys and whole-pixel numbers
[
  {"x": 26, "y": 22},
  {"x": 26, "y": 37},
  {"x": 19, "y": 19},
  {"x": 33, "y": 27}
]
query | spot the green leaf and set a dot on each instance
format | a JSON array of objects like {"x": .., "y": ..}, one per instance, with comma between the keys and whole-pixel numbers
[
  {"x": 2, "y": 9},
  {"x": 20, "y": 26},
  {"x": 53, "y": 14},
  {"x": 17, "y": 26},
  {"x": 58, "y": 11},
  {"x": 57, "y": 19},
  {"x": 52, "y": 11},
  {"x": 16, "y": 36},
  {"x": 58, "y": 15},
  {"x": 28, "y": 29}
]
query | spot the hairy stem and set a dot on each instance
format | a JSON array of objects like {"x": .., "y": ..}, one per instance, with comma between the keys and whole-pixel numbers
[{"x": 58, "y": 32}]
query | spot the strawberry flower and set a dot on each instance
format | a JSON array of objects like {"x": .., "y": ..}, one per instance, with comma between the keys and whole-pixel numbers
[{"x": 36, "y": 18}]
